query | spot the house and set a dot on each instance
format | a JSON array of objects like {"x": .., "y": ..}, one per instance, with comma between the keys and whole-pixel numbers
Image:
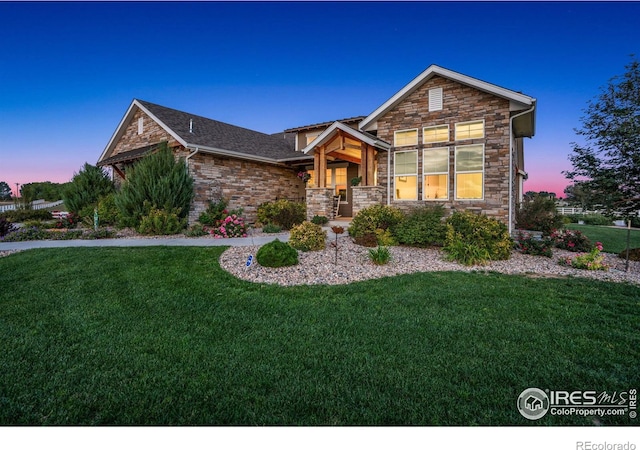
[{"x": 444, "y": 138}]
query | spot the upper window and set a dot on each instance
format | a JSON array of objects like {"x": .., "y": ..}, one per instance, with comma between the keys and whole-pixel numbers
[
  {"x": 406, "y": 137},
  {"x": 406, "y": 175},
  {"x": 439, "y": 133},
  {"x": 435, "y": 165},
  {"x": 435, "y": 99},
  {"x": 470, "y": 130},
  {"x": 140, "y": 125},
  {"x": 469, "y": 172}
]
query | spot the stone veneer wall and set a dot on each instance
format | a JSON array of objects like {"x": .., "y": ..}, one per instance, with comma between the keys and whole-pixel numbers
[
  {"x": 461, "y": 103},
  {"x": 319, "y": 202},
  {"x": 246, "y": 184},
  {"x": 365, "y": 196},
  {"x": 152, "y": 133}
]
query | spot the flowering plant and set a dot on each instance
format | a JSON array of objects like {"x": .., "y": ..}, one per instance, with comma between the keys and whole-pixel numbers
[
  {"x": 68, "y": 221},
  {"x": 593, "y": 260},
  {"x": 572, "y": 240},
  {"x": 528, "y": 244},
  {"x": 304, "y": 176},
  {"x": 231, "y": 226}
]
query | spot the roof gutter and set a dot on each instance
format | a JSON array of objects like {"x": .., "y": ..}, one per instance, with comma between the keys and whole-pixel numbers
[
  {"x": 511, "y": 149},
  {"x": 222, "y": 152}
]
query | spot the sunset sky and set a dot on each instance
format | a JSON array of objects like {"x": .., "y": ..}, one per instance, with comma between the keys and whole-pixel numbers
[{"x": 68, "y": 71}]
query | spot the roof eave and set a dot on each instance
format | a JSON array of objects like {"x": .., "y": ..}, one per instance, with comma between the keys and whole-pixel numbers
[
  {"x": 337, "y": 125},
  {"x": 233, "y": 154}
]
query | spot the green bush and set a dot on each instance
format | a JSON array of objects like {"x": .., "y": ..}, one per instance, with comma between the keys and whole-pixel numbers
[
  {"x": 21, "y": 215},
  {"x": 422, "y": 227},
  {"x": 375, "y": 217},
  {"x": 476, "y": 237},
  {"x": 634, "y": 254},
  {"x": 572, "y": 240},
  {"x": 597, "y": 219},
  {"x": 6, "y": 227},
  {"x": 380, "y": 255},
  {"x": 157, "y": 181},
  {"x": 108, "y": 213},
  {"x": 215, "y": 211},
  {"x": 277, "y": 254},
  {"x": 271, "y": 228},
  {"x": 385, "y": 237},
  {"x": 320, "y": 220},
  {"x": 528, "y": 244},
  {"x": 538, "y": 214},
  {"x": 283, "y": 212},
  {"x": 161, "y": 222},
  {"x": 81, "y": 195},
  {"x": 308, "y": 237},
  {"x": 196, "y": 230}
]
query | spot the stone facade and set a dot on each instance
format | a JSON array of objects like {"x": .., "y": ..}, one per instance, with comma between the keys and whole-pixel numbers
[
  {"x": 245, "y": 184},
  {"x": 152, "y": 134},
  {"x": 319, "y": 202},
  {"x": 461, "y": 103},
  {"x": 365, "y": 196}
]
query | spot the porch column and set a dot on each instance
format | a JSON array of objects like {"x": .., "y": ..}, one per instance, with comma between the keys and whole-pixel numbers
[
  {"x": 370, "y": 166},
  {"x": 362, "y": 168},
  {"x": 322, "y": 167}
]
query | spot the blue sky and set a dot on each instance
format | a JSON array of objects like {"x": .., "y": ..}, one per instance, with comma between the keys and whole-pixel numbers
[{"x": 68, "y": 71}]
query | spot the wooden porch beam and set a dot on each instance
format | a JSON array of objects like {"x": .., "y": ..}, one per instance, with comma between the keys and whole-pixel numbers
[
  {"x": 119, "y": 172},
  {"x": 322, "y": 168},
  {"x": 370, "y": 166}
]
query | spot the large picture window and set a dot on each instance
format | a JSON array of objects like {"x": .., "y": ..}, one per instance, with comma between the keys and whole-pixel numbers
[
  {"x": 405, "y": 137},
  {"x": 470, "y": 130},
  {"x": 469, "y": 165},
  {"x": 435, "y": 165},
  {"x": 405, "y": 169}
]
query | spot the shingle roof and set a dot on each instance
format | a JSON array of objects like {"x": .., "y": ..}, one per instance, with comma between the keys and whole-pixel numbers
[
  {"x": 214, "y": 134},
  {"x": 348, "y": 120}
]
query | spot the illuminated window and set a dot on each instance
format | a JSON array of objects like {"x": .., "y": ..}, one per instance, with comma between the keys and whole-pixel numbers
[
  {"x": 470, "y": 130},
  {"x": 469, "y": 172},
  {"x": 405, "y": 168},
  {"x": 435, "y": 164},
  {"x": 439, "y": 133},
  {"x": 406, "y": 137},
  {"x": 336, "y": 179}
]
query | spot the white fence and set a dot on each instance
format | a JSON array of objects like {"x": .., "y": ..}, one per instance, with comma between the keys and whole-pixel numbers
[{"x": 37, "y": 204}]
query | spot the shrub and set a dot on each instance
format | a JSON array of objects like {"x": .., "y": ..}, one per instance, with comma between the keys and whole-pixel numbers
[
  {"x": 385, "y": 238},
  {"x": 593, "y": 260},
  {"x": 229, "y": 227},
  {"x": 20, "y": 215},
  {"x": 37, "y": 234},
  {"x": 478, "y": 230},
  {"x": 634, "y": 254},
  {"x": 572, "y": 240},
  {"x": 467, "y": 253},
  {"x": 69, "y": 221},
  {"x": 380, "y": 255},
  {"x": 86, "y": 188},
  {"x": 158, "y": 181},
  {"x": 538, "y": 214},
  {"x": 100, "y": 233},
  {"x": 196, "y": 230},
  {"x": 283, "y": 212},
  {"x": 277, "y": 254},
  {"x": 320, "y": 220},
  {"x": 271, "y": 228},
  {"x": 374, "y": 217},
  {"x": 529, "y": 244},
  {"x": 161, "y": 222},
  {"x": 422, "y": 227},
  {"x": 367, "y": 240},
  {"x": 6, "y": 227},
  {"x": 108, "y": 213},
  {"x": 597, "y": 219},
  {"x": 215, "y": 212},
  {"x": 308, "y": 237}
]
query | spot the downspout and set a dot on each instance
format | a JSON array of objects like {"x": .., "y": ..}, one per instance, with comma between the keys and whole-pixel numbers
[
  {"x": 389, "y": 177},
  {"x": 186, "y": 160},
  {"x": 511, "y": 149}
]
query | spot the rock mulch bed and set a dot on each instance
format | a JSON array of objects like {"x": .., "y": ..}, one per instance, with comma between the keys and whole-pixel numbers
[{"x": 354, "y": 265}]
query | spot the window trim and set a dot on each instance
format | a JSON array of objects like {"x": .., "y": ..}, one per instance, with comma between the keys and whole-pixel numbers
[
  {"x": 456, "y": 172},
  {"x": 467, "y": 123},
  {"x": 436, "y": 126},
  {"x": 395, "y": 137},
  {"x": 425, "y": 173},
  {"x": 407, "y": 174}
]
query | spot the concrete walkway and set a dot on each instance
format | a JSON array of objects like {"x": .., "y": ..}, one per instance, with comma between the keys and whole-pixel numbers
[{"x": 144, "y": 242}]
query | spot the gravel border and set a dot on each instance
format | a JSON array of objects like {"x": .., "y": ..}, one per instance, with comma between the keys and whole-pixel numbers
[{"x": 354, "y": 265}]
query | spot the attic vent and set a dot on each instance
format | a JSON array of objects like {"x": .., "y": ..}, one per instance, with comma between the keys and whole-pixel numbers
[
  {"x": 190, "y": 125},
  {"x": 435, "y": 99},
  {"x": 140, "y": 125}
]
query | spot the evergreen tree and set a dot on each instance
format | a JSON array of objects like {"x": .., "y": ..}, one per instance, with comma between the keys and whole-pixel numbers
[{"x": 81, "y": 195}]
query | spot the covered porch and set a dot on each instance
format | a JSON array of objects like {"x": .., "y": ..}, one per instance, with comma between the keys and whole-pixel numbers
[{"x": 344, "y": 172}]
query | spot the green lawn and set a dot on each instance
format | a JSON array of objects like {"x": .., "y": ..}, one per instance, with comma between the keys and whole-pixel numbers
[
  {"x": 614, "y": 240},
  {"x": 162, "y": 335}
]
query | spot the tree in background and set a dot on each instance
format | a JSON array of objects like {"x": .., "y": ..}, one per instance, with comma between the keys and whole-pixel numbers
[
  {"x": 608, "y": 164},
  {"x": 157, "y": 182},
  {"x": 45, "y": 190},
  {"x": 81, "y": 195},
  {"x": 5, "y": 192}
]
